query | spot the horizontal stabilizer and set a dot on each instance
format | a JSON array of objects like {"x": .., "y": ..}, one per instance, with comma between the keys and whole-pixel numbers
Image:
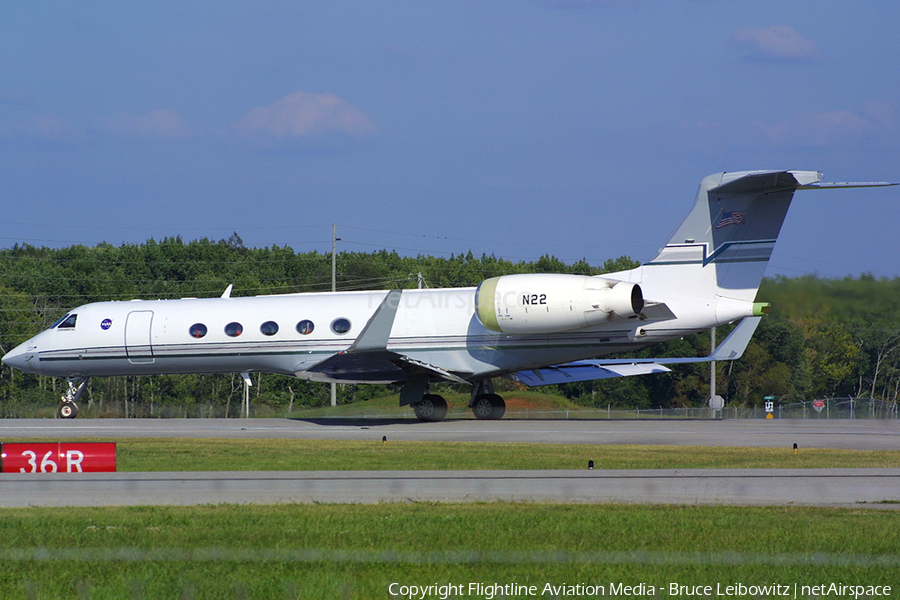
[
  {"x": 748, "y": 182},
  {"x": 751, "y": 182},
  {"x": 837, "y": 185}
]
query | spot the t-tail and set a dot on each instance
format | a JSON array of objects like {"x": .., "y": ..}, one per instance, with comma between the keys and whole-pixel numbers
[{"x": 721, "y": 248}]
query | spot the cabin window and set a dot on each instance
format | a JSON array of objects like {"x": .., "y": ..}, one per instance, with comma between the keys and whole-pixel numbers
[
  {"x": 340, "y": 326},
  {"x": 67, "y": 322},
  {"x": 234, "y": 329},
  {"x": 197, "y": 330},
  {"x": 305, "y": 327},
  {"x": 269, "y": 328}
]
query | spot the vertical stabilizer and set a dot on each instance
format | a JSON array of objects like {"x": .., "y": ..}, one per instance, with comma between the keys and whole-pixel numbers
[{"x": 731, "y": 231}]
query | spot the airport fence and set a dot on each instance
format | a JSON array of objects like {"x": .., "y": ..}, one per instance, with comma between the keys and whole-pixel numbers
[{"x": 826, "y": 408}]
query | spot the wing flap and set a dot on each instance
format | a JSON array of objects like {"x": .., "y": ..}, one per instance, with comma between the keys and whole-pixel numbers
[{"x": 584, "y": 370}]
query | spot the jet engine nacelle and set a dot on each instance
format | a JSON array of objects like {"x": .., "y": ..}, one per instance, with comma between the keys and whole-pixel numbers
[{"x": 551, "y": 303}]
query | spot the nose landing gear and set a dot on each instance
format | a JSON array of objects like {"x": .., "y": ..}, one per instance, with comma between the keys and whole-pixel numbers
[{"x": 68, "y": 409}]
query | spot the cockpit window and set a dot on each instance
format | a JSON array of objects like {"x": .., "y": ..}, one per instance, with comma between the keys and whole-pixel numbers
[
  {"x": 60, "y": 320},
  {"x": 67, "y": 322}
]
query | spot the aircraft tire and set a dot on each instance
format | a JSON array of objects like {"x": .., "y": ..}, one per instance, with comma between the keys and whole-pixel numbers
[
  {"x": 431, "y": 408},
  {"x": 489, "y": 407},
  {"x": 67, "y": 410}
]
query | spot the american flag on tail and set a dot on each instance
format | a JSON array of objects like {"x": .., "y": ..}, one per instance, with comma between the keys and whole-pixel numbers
[{"x": 731, "y": 218}]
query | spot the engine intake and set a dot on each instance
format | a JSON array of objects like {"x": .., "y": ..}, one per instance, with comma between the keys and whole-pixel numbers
[{"x": 551, "y": 303}]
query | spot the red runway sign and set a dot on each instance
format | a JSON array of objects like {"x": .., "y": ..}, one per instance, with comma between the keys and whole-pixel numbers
[{"x": 66, "y": 457}]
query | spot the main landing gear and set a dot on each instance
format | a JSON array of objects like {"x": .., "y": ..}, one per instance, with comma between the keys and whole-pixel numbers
[
  {"x": 431, "y": 408},
  {"x": 68, "y": 409},
  {"x": 485, "y": 404},
  {"x": 489, "y": 406}
]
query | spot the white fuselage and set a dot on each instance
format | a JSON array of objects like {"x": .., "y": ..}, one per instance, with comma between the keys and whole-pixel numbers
[{"x": 436, "y": 327}]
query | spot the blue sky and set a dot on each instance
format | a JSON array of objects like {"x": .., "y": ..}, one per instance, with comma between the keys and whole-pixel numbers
[{"x": 578, "y": 128}]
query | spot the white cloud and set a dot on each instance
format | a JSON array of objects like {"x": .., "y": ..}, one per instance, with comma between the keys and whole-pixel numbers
[
  {"x": 871, "y": 125},
  {"x": 776, "y": 42},
  {"x": 302, "y": 115},
  {"x": 160, "y": 123},
  {"x": 875, "y": 119}
]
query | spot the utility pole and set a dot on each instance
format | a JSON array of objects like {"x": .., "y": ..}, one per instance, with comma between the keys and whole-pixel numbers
[
  {"x": 712, "y": 368},
  {"x": 334, "y": 240},
  {"x": 334, "y": 257},
  {"x": 716, "y": 402}
]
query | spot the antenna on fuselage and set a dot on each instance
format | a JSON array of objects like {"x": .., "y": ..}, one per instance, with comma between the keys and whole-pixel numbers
[{"x": 227, "y": 292}]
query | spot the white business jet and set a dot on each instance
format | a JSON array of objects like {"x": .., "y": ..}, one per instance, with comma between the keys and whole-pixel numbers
[{"x": 536, "y": 329}]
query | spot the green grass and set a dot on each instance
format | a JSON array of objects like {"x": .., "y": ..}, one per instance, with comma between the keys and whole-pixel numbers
[
  {"x": 356, "y": 551},
  {"x": 217, "y": 454},
  {"x": 164, "y": 454}
]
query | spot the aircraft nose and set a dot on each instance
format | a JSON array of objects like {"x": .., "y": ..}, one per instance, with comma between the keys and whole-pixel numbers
[{"x": 21, "y": 356}]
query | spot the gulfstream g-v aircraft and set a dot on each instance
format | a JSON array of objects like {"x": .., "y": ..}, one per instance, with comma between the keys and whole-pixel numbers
[{"x": 537, "y": 329}]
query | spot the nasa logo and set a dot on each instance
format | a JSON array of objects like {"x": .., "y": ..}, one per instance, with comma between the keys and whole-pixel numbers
[{"x": 105, "y": 324}]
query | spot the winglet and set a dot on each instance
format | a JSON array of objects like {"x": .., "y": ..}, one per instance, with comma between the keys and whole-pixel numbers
[
  {"x": 377, "y": 332},
  {"x": 733, "y": 346}
]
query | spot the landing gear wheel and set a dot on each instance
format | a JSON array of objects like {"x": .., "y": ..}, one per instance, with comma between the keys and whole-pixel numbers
[
  {"x": 67, "y": 410},
  {"x": 489, "y": 406},
  {"x": 431, "y": 408}
]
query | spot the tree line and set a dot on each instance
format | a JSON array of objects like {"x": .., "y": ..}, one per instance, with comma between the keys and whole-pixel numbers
[{"x": 823, "y": 336}]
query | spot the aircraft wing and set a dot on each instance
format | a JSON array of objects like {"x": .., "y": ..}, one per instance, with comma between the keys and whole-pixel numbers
[
  {"x": 583, "y": 370},
  {"x": 731, "y": 348}
]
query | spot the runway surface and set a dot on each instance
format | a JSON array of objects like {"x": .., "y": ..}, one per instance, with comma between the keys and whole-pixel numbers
[
  {"x": 878, "y": 488},
  {"x": 861, "y": 434}
]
